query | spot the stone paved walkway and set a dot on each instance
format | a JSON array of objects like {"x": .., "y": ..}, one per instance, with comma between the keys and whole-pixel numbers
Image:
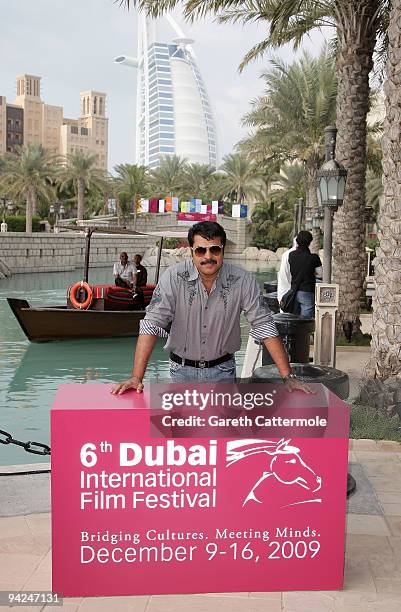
[{"x": 373, "y": 553}]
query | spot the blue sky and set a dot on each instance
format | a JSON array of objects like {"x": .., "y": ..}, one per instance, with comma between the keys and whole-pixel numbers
[{"x": 72, "y": 43}]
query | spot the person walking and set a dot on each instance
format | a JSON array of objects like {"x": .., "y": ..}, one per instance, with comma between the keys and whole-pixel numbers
[
  {"x": 305, "y": 267},
  {"x": 199, "y": 301}
]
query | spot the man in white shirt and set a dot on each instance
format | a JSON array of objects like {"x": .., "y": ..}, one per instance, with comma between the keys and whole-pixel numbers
[
  {"x": 124, "y": 272},
  {"x": 284, "y": 274}
]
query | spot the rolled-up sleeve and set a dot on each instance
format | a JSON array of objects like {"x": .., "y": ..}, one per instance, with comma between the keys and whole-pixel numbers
[
  {"x": 161, "y": 309},
  {"x": 256, "y": 313}
]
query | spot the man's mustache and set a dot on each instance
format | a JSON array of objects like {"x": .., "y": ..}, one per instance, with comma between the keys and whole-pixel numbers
[{"x": 208, "y": 261}]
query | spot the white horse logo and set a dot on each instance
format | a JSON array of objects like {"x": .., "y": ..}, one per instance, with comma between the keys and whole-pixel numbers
[{"x": 284, "y": 462}]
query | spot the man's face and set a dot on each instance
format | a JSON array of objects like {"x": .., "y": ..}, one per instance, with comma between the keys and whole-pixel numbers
[
  {"x": 124, "y": 258},
  {"x": 137, "y": 260},
  {"x": 207, "y": 263}
]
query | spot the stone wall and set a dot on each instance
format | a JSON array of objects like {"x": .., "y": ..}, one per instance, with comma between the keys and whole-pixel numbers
[
  {"x": 40, "y": 252},
  {"x": 237, "y": 230},
  {"x": 43, "y": 252}
]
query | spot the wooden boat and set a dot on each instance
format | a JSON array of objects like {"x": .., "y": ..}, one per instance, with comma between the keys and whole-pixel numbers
[{"x": 104, "y": 319}]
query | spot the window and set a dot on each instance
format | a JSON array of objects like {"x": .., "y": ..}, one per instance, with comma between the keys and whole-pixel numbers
[
  {"x": 167, "y": 149},
  {"x": 164, "y": 81},
  {"x": 163, "y": 69},
  {"x": 166, "y": 108},
  {"x": 74, "y": 129},
  {"x": 164, "y": 94},
  {"x": 166, "y": 122},
  {"x": 165, "y": 136}
]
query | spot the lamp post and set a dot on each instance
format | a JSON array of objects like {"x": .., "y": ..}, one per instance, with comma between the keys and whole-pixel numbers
[
  {"x": 308, "y": 218},
  {"x": 331, "y": 180},
  {"x": 300, "y": 215},
  {"x": 57, "y": 209},
  {"x": 3, "y": 225}
]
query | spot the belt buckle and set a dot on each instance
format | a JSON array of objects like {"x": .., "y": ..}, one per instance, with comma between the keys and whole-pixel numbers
[{"x": 202, "y": 364}]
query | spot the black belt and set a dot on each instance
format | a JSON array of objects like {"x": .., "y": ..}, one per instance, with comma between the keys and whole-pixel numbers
[{"x": 200, "y": 364}]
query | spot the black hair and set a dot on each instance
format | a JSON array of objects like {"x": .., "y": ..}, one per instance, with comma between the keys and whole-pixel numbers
[
  {"x": 208, "y": 230},
  {"x": 137, "y": 255},
  {"x": 124, "y": 253},
  {"x": 304, "y": 238}
]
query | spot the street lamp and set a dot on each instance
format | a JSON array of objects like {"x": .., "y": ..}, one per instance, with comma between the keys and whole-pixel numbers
[
  {"x": 58, "y": 209},
  {"x": 308, "y": 217},
  {"x": 331, "y": 180}
]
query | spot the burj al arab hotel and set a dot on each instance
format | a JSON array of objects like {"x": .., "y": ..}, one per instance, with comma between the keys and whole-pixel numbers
[{"x": 173, "y": 114}]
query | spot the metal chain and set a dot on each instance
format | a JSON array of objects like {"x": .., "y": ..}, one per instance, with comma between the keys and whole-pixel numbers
[{"x": 36, "y": 448}]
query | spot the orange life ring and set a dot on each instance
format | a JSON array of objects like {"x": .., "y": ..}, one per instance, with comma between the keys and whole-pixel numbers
[{"x": 73, "y": 295}]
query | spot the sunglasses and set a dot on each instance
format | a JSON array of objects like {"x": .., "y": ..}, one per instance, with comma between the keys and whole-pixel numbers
[{"x": 200, "y": 251}]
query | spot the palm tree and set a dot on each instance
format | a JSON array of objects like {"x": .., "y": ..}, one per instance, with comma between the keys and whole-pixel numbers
[
  {"x": 132, "y": 183},
  {"x": 298, "y": 103},
  {"x": 167, "y": 179},
  {"x": 242, "y": 177},
  {"x": 361, "y": 26},
  {"x": 386, "y": 335},
  {"x": 80, "y": 170},
  {"x": 28, "y": 173},
  {"x": 289, "y": 184},
  {"x": 272, "y": 225},
  {"x": 197, "y": 180}
]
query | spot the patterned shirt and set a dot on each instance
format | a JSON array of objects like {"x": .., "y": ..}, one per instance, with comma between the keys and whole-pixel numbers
[{"x": 201, "y": 325}]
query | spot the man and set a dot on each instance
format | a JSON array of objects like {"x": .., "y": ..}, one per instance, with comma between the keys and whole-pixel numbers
[
  {"x": 304, "y": 267},
  {"x": 141, "y": 278},
  {"x": 284, "y": 274},
  {"x": 124, "y": 273},
  {"x": 201, "y": 300},
  {"x": 141, "y": 272}
]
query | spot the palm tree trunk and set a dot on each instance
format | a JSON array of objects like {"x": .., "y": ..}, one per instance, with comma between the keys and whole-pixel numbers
[
  {"x": 28, "y": 213},
  {"x": 311, "y": 167},
  {"x": 135, "y": 211},
  {"x": 81, "y": 198},
  {"x": 356, "y": 31},
  {"x": 385, "y": 359}
]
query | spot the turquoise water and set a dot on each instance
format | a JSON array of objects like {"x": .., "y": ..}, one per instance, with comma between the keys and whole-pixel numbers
[{"x": 30, "y": 373}]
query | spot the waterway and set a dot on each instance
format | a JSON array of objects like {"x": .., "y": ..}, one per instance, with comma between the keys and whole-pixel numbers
[{"x": 30, "y": 373}]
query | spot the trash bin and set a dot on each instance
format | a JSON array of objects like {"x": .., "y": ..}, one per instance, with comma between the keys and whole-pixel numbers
[
  {"x": 295, "y": 332},
  {"x": 270, "y": 286},
  {"x": 335, "y": 380},
  {"x": 271, "y": 301}
]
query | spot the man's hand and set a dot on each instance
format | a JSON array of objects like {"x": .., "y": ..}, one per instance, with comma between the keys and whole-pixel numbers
[
  {"x": 132, "y": 383},
  {"x": 295, "y": 384}
]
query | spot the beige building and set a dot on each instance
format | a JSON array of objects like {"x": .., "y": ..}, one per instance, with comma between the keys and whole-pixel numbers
[{"x": 30, "y": 120}]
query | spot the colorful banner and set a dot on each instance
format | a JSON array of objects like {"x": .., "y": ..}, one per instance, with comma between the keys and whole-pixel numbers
[
  {"x": 197, "y": 489},
  {"x": 192, "y": 218}
]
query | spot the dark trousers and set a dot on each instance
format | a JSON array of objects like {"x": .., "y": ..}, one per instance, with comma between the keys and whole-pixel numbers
[{"x": 120, "y": 282}]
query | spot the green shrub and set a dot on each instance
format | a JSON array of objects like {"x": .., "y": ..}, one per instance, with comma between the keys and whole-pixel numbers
[
  {"x": 366, "y": 422},
  {"x": 17, "y": 223},
  {"x": 356, "y": 340}
]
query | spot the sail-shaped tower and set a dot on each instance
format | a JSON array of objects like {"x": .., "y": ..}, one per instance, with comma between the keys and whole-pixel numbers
[{"x": 173, "y": 114}]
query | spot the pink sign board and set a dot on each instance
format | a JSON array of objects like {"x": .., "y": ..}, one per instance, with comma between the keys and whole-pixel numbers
[{"x": 158, "y": 493}]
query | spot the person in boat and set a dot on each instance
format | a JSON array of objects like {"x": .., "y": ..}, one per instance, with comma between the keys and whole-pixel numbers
[
  {"x": 141, "y": 276},
  {"x": 200, "y": 301},
  {"x": 124, "y": 272},
  {"x": 141, "y": 272}
]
